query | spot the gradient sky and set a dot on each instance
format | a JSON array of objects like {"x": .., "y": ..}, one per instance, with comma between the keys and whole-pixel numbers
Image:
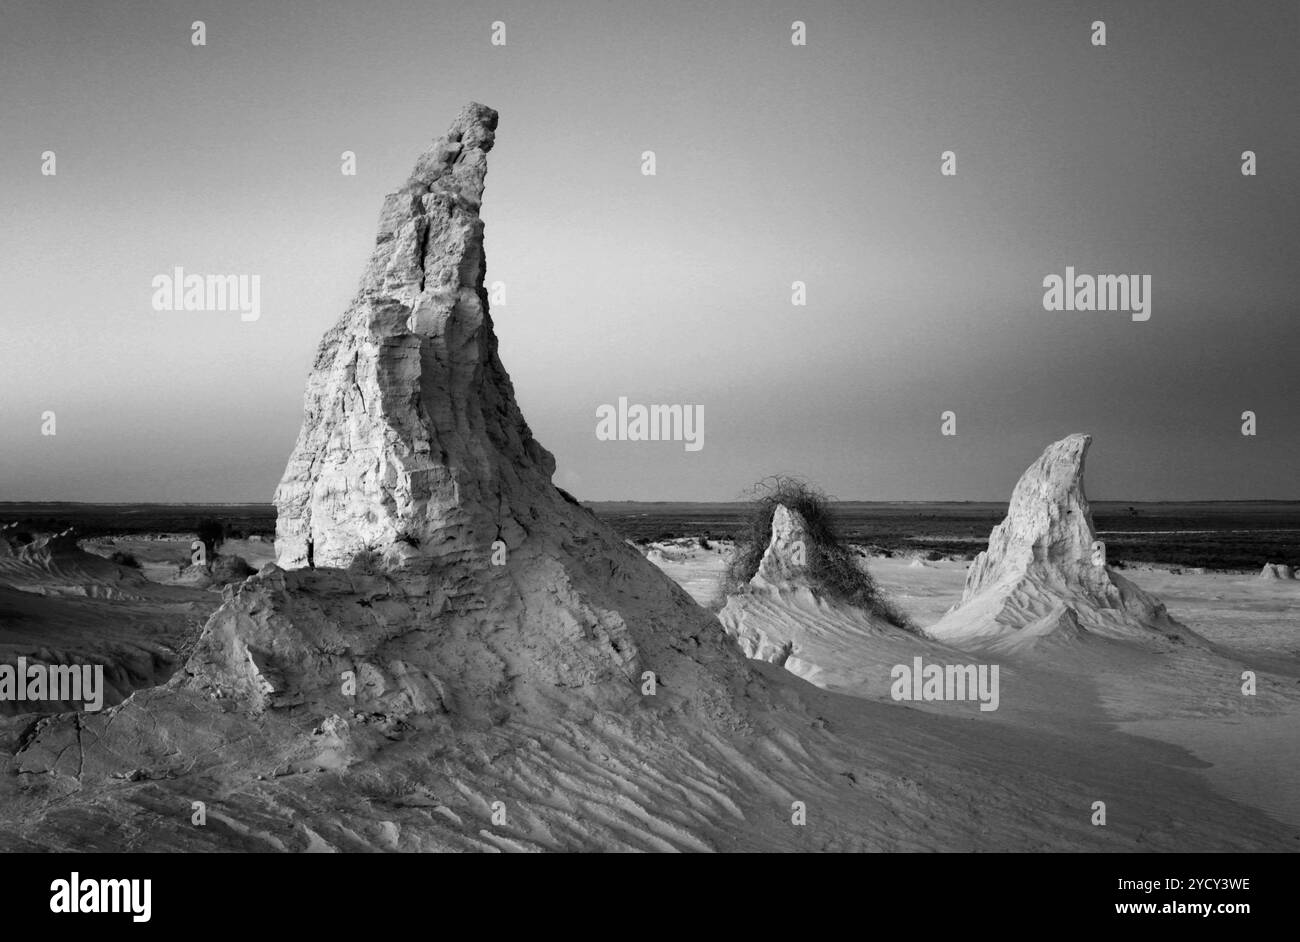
[{"x": 775, "y": 163}]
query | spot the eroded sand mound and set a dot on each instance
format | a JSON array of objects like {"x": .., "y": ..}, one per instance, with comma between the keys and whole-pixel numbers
[
  {"x": 784, "y": 618},
  {"x": 60, "y": 605},
  {"x": 54, "y": 564}
]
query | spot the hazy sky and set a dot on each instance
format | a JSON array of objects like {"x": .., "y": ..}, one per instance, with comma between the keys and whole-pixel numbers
[{"x": 775, "y": 163}]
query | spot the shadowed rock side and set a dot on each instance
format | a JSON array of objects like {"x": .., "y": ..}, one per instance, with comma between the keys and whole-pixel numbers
[
  {"x": 1044, "y": 578},
  {"x": 390, "y": 697}
]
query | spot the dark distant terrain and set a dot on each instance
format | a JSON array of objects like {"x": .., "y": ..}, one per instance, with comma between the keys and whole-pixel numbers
[
  {"x": 1225, "y": 535},
  {"x": 93, "y": 520}
]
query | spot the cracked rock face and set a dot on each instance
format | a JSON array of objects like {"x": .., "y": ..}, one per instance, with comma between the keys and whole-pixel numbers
[
  {"x": 1044, "y": 575},
  {"x": 412, "y": 446}
]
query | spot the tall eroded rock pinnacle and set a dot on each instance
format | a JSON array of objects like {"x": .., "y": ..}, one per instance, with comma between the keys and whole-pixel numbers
[
  {"x": 412, "y": 444},
  {"x": 421, "y": 544},
  {"x": 1044, "y": 574}
]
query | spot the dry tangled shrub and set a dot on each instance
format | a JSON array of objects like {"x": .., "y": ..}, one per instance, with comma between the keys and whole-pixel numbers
[{"x": 831, "y": 565}]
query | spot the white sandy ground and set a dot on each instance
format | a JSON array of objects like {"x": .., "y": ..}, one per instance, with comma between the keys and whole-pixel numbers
[
  {"x": 1189, "y": 702},
  {"x": 1181, "y": 759}
]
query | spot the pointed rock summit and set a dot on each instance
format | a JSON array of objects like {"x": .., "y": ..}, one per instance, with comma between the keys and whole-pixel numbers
[
  {"x": 1044, "y": 575},
  {"x": 1048, "y": 523},
  {"x": 413, "y": 447}
]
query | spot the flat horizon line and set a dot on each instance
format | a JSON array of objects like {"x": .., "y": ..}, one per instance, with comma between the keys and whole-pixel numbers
[{"x": 655, "y": 503}]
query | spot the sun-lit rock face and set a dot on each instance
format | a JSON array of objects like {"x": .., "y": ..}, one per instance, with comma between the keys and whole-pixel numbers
[
  {"x": 1044, "y": 575},
  {"x": 412, "y": 446}
]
